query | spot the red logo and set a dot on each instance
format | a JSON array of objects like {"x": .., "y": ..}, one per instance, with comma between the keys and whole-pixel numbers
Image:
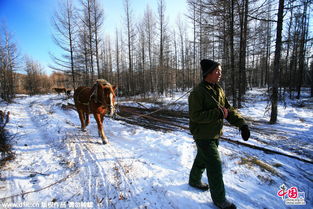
[
  {"x": 293, "y": 192},
  {"x": 291, "y": 196}
]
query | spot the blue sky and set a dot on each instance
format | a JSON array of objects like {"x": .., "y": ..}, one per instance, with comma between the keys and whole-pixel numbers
[{"x": 30, "y": 22}]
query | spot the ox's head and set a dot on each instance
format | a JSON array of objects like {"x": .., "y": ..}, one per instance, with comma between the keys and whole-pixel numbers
[{"x": 106, "y": 96}]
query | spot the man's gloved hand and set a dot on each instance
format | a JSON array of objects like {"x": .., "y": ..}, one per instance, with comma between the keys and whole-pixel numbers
[{"x": 245, "y": 132}]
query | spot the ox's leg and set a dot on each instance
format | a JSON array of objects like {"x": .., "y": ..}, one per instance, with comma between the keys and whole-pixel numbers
[
  {"x": 86, "y": 119},
  {"x": 100, "y": 128},
  {"x": 102, "y": 118},
  {"x": 82, "y": 120}
]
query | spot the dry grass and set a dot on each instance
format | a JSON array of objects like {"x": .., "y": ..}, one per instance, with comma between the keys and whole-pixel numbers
[
  {"x": 5, "y": 148},
  {"x": 253, "y": 161}
]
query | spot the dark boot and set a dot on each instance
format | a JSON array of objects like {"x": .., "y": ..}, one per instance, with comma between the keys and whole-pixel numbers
[
  {"x": 226, "y": 205},
  {"x": 201, "y": 186}
]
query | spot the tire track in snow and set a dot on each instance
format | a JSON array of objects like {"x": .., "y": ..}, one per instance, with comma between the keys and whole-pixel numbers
[
  {"x": 106, "y": 161},
  {"x": 89, "y": 167},
  {"x": 105, "y": 170},
  {"x": 131, "y": 182},
  {"x": 84, "y": 157},
  {"x": 125, "y": 189}
]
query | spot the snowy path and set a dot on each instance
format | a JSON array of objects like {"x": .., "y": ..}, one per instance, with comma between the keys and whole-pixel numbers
[
  {"x": 49, "y": 147},
  {"x": 56, "y": 163}
]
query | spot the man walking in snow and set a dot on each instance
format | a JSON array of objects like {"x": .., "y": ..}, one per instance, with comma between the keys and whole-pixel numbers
[{"x": 208, "y": 107}]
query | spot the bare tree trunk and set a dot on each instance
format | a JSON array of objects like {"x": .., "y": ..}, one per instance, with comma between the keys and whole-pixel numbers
[
  {"x": 109, "y": 58},
  {"x": 117, "y": 58},
  {"x": 129, "y": 45},
  {"x": 274, "y": 98},
  {"x": 288, "y": 72},
  {"x": 268, "y": 46},
  {"x": 194, "y": 46},
  {"x": 90, "y": 35},
  {"x": 245, "y": 38},
  {"x": 142, "y": 58},
  {"x": 149, "y": 23},
  {"x": 267, "y": 58},
  {"x": 86, "y": 62},
  {"x": 64, "y": 37},
  {"x": 293, "y": 67},
  {"x": 311, "y": 79},
  {"x": 201, "y": 54},
  {"x": 176, "y": 62},
  {"x": 71, "y": 39},
  {"x": 98, "y": 21},
  {"x": 302, "y": 47},
  {"x": 181, "y": 30},
  {"x": 232, "y": 53},
  {"x": 241, "y": 53},
  {"x": 161, "y": 34}
]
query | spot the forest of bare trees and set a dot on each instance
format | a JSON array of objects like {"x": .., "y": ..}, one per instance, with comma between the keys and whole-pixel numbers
[
  {"x": 8, "y": 64},
  {"x": 152, "y": 56},
  {"x": 22, "y": 74},
  {"x": 260, "y": 43}
]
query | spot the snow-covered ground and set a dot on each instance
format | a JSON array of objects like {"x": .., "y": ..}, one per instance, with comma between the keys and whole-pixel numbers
[{"x": 59, "y": 166}]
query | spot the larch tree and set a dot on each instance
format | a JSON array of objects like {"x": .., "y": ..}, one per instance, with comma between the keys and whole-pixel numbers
[
  {"x": 302, "y": 48},
  {"x": 149, "y": 29},
  {"x": 162, "y": 35},
  {"x": 9, "y": 62},
  {"x": 98, "y": 19},
  {"x": 130, "y": 45},
  {"x": 277, "y": 60},
  {"x": 64, "y": 23}
]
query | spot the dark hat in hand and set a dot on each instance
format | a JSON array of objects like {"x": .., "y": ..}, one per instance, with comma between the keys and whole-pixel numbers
[{"x": 207, "y": 66}]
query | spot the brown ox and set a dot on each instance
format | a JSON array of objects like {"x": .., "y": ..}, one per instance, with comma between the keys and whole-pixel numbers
[
  {"x": 60, "y": 90},
  {"x": 97, "y": 100}
]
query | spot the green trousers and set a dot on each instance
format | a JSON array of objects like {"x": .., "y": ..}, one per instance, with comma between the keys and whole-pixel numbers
[{"x": 208, "y": 158}]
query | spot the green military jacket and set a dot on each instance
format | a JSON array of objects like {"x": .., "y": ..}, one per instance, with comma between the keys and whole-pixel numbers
[{"x": 206, "y": 118}]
